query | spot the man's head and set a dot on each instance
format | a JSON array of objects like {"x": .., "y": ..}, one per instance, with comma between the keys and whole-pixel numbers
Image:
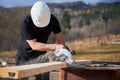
[{"x": 40, "y": 13}]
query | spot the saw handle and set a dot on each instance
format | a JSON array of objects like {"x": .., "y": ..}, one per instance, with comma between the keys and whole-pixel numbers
[{"x": 71, "y": 51}]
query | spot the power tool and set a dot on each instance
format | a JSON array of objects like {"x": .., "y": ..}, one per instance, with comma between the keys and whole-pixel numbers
[{"x": 64, "y": 55}]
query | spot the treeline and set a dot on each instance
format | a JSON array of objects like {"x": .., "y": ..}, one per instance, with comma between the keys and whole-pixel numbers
[
  {"x": 77, "y": 21},
  {"x": 96, "y": 20}
]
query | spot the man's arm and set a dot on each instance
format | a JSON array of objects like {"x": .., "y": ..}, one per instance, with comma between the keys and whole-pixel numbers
[
  {"x": 59, "y": 38},
  {"x": 38, "y": 46}
]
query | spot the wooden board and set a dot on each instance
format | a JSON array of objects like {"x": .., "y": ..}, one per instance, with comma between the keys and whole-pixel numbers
[
  {"x": 17, "y": 72},
  {"x": 83, "y": 62}
]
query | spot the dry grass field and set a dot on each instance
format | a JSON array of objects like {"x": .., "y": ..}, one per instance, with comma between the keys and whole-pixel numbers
[
  {"x": 112, "y": 57},
  {"x": 85, "y": 49},
  {"x": 92, "y": 50}
]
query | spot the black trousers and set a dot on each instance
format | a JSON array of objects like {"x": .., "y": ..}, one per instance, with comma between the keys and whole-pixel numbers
[{"x": 40, "y": 59}]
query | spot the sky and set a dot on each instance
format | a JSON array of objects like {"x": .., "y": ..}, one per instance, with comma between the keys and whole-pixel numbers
[{"x": 16, "y": 3}]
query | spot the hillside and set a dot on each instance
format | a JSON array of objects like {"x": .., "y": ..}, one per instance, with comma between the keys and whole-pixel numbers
[
  {"x": 10, "y": 19},
  {"x": 69, "y": 5}
]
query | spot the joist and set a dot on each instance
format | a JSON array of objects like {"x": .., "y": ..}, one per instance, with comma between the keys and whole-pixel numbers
[{"x": 17, "y": 72}]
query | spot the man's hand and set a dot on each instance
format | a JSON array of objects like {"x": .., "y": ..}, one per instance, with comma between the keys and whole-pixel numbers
[{"x": 57, "y": 46}]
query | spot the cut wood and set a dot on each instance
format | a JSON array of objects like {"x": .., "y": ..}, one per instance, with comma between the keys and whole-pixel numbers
[{"x": 17, "y": 72}]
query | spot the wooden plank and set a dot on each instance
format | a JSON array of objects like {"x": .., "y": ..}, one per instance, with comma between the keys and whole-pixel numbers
[
  {"x": 80, "y": 62},
  {"x": 17, "y": 72}
]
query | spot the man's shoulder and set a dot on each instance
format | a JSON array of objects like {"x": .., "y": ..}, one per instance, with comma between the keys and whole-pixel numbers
[
  {"x": 27, "y": 22},
  {"x": 53, "y": 19},
  {"x": 53, "y": 16}
]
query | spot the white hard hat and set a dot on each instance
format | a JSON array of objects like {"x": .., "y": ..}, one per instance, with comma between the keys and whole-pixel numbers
[{"x": 40, "y": 13}]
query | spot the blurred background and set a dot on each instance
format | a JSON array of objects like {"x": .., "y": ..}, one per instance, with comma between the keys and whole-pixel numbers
[{"x": 90, "y": 27}]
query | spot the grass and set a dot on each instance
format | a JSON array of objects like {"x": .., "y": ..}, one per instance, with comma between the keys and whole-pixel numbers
[
  {"x": 112, "y": 57},
  {"x": 106, "y": 47},
  {"x": 87, "y": 49},
  {"x": 8, "y": 53},
  {"x": 91, "y": 50}
]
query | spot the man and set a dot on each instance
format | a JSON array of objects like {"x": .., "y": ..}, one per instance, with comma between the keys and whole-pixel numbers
[{"x": 34, "y": 33}]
